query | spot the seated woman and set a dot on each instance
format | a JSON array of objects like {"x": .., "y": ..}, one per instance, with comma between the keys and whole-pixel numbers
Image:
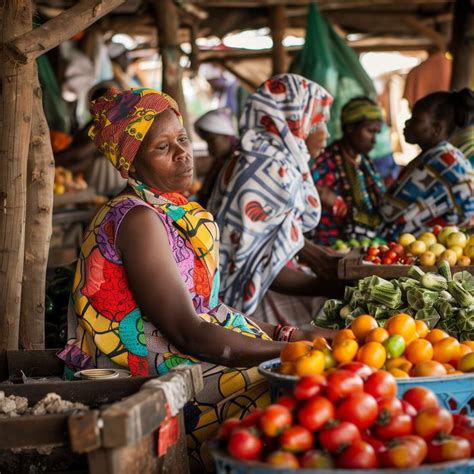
[
  {"x": 217, "y": 129},
  {"x": 437, "y": 187},
  {"x": 265, "y": 201},
  {"x": 145, "y": 294},
  {"x": 351, "y": 189}
]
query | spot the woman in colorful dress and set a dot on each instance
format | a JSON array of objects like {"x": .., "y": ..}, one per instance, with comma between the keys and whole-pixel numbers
[
  {"x": 265, "y": 202},
  {"x": 145, "y": 294},
  {"x": 351, "y": 189},
  {"x": 437, "y": 187}
]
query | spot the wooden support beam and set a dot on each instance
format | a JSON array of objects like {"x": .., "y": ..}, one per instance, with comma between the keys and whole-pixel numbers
[
  {"x": 438, "y": 39},
  {"x": 462, "y": 45},
  {"x": 277, "y": 27},
  {"x": 62, "y": 27},
  {"x": 39, "y": 211},
  {"x": 245, "y": 80},
  {"x": 15, "y": 126},
  {"x": 167, "y": 21}
]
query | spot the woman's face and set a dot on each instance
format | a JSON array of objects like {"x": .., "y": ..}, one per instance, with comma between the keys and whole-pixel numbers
[
  {"x": 165, "y": 158},
  {"x": 363, "y": 136},
  {"x": 219, "y": 146},
  {"x": 316, "y": 141},
  {"x": 419, "y": 129}
]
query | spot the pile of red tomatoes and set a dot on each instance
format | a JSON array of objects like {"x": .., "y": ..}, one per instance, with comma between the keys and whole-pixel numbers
[
  {"x": 350, "y": 420},
  {"x": 388, "y": 254}
]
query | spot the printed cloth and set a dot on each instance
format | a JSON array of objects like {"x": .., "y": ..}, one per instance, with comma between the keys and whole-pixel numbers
[
  {"x": 361, "y": 188},
  {"x": 464, "y": 140},
  {"x": 265, "y": 199},
  {"x": 122, "y": 119},
  {"x": 437, "y": 187}
]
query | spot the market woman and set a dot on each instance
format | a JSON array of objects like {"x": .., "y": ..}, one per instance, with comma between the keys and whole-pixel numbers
[
  {"x": 351, "y": 189},
  {"x": 145, "y": 294},
  {"x": 437, "y": 187},
  {"x": 266, "y": 201}
]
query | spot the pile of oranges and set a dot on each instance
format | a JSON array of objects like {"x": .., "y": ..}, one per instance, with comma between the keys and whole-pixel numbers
[{"x": 405, "y": 347}]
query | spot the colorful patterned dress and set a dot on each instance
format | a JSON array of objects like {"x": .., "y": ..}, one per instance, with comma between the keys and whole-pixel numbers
[
  {"x": 437, "y": 187},
  {"x": 361, "y": 188},
  {"x": 111, "y": 329}
]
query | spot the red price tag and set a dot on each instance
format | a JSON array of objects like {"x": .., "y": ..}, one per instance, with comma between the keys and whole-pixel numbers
[{"x": 167, "y": 433}]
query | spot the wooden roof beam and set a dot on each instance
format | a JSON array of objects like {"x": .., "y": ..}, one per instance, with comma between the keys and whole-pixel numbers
[{"x": 437, "y": 38}]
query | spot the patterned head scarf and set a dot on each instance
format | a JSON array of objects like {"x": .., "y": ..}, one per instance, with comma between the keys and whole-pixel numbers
[
  {"x": 360, "y": 109},
  {"x": 122, "y": 119},
  {"x": 266, "y": 199}
]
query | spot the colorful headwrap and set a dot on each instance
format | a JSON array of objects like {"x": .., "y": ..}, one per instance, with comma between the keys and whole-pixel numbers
[
  {"x": 358, "y": 110},
  {"x": 122, "y": 119},
  {"x": 265, "y": 199}
]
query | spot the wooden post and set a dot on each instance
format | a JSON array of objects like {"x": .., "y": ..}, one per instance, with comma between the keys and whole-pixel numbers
[
  {"x": 15, "y": 126},
  {"x": 278, "y": 26},
  {"x": 462, "y": 44},
  {"x": 167, "y": 22},
  {"x": 39, "y": 205}
]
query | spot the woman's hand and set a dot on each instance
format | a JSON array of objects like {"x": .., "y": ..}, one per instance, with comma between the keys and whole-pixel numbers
[
  {"x": 322, "y": 260},
  {"x": 311, "y": 334}
]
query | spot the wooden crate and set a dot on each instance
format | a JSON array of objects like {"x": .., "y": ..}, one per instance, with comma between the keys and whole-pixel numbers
[
  {"x": 118, "y": 435},
  {"x": 351, "y": 267}
]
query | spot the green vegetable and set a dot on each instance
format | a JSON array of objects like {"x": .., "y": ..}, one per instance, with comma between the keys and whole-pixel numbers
[
  {"x": 345, "y": 311},
  {"x": 415, "y": 272},
  {"x": 462, "y": 297},
  {"x": 421, "y": 298},
  {"x": 444, "y": 308},
  {"x": 444, "y": 269},
  {"x": 386, "y": 294},
  {"x": 466, "y": 279},
  {"x": 429, "y": 316},
  {"x": 433, "y": 281},
  {"x": 331, "y": 308},
  {"x": 348, "y": 292}
]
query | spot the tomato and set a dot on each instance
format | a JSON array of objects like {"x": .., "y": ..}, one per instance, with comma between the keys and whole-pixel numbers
[
  {"x": 337, "y": 435},
  {"x": 377, "y": 260},
  {"x": 383, "y": 249},
  {"x": 309, "y": 386},
  {"x": 283, "y": 459},
  {"x": 387, "y": 261},
  {"x": 316, "y": 459},
  {"x": 448, "y": 448},
  {"x": 436, "y": 229},
  {"x": 431, "y": 422},
  {"x": 252, "y": 418},
  {"x": 420, "y": 398},
  {"x": 373, "y": 251},
  {"x": 392, "y": 255},
  {"x": 408, "y": 408},
  {"x": 407, "y": 260},
  {"x": 378, "y": 445},
  {"x": 389, "y": 406},
  {"x": 369, "y": 258},
  {"x": 381, "y": 384},
  {"x": 404, "y": 452},
  {"x": 342, "y": 383},
  {"x": 275, "y": 419},
  {"x": 244, "y": 445},
  {"x": 359, "y": 455},
  {"x": 466, "y": 431},
  {"x": 398, "y": 249},
  {"x": 288, "y": 402},
  {"x": 296, "y": 439},
  {"x": 358, "y": 408},
  {"x": 226, "y": 428},
  {"x": 394, "y": 426},
  {"x": 315, "y": 413},
  {"x": 358, "y": 368}
]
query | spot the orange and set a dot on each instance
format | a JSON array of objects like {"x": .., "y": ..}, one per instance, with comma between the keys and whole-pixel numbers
[
  {"x": 468, "y": 344},
  {"x": 287, "y": 368},
  {"x": 345, "y": 351},
  {"x": 294, "y": 350},
  {"x": 377, "y": 335},
  {"x": 422, "y": 328},
  {"x": 320, "y": 343},
  {"x": 399, "y": 363},
  {"x": 466, "y": 363},
  {"x": 446, "y": 349},
  {"x": 428, "y": 368},
  {"x": 436, "y": 335},
  {"x": 463, "y": 350},
  {"x": 399, "y": 373},
  {"x": 449, "y": 368},
  {"x": 343, "y": 334},
  {"x": 419, "y": 350},
  {"x": 372, "y": 354},
  {"x": 310, "y": 364},
  {"x": 403, "y": 325},
  {"x": 362, "y": 325}
]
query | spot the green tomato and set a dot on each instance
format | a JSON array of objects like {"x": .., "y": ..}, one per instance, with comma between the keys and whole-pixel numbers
[
  {"x": 340, "y": 245},
  {"x": 354, "y": 243},
  {"x": 329, "y": 361},
  {"x": 395, "y": 346}
]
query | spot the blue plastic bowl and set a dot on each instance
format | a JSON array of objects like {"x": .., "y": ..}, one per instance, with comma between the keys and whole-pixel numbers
[{"x": 454, "y": 392}]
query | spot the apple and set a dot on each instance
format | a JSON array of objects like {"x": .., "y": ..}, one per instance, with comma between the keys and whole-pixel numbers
[
  {"x": 456, "y": 238},
  {"x": 427, "y": 259},
  {"x": 450, "y": 256},
  {"x": 417, "y": 247},
  {"x": 437, "y": 249},
  {"x": 428, "y": 238},
  {"x": 445, "y": 232},
  {"x": 464, "y": 261},
  {"x": 457, "y": 250},
  {"x": 406, "y": 239}
]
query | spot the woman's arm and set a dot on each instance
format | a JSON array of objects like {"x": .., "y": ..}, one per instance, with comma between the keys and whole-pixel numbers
[
  {"x": 161, "y": 294},
  {"x": 321, "y": 260}
]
